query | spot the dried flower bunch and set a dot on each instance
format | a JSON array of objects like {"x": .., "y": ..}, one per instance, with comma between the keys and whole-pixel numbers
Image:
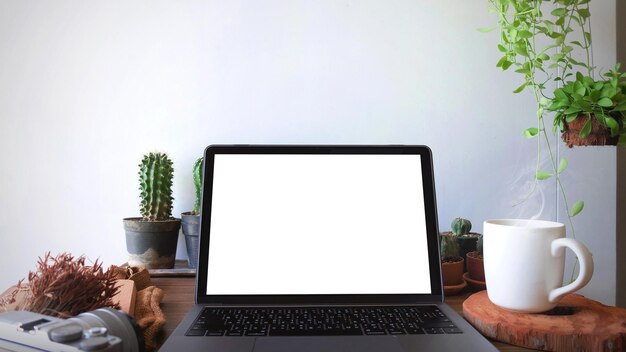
[{"x": 64, "y": 287}]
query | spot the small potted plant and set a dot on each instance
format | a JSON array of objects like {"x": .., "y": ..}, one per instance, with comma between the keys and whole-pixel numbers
[
  {"x": 191, "y": 219},
  {"x": 152, "y": 238},
  {"x": 452, "y": 263},
  {"x": 467, "y": 239},
  {"x": 475, "y": 275}
]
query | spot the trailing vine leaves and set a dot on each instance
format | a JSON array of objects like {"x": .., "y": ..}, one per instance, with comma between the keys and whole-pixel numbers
[{"x": 540, "y": 48}]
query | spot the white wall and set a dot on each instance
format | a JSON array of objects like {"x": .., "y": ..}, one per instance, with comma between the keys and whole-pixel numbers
[{"x": 87, "y": 87}]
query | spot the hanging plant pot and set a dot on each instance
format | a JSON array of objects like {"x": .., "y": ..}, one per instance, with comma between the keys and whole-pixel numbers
[{"x": 599, "y": 135}]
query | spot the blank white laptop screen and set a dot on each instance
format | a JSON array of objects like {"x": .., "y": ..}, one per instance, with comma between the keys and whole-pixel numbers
[{"x": 317, "y": 224}]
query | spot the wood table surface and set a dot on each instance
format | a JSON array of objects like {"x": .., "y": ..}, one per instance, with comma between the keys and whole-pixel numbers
[{"x": 179, "y": 297}]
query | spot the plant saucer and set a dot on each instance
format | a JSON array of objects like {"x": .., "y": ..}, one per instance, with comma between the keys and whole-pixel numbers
[
  {"x": 454, "y": 289},
  {"x": 475, "y": 285}
]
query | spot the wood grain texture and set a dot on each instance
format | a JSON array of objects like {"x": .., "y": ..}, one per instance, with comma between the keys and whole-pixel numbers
[{"x": 576, "y": 324}]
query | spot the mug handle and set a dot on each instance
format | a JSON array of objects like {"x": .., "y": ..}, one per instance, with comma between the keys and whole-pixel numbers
[{"x": 586, "y": 266}]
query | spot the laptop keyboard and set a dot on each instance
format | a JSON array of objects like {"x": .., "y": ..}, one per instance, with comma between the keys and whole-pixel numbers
[{"x": 315, "y": 321}]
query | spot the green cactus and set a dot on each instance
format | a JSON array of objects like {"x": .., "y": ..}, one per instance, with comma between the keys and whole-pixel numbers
[
  {"x": 155, "y": 184},
  {"x": 461, "y": 226},
  {"x": 197, "y": 180},
  {"x": 449, "y": 247},
  {"x": 479, "y": 245}
]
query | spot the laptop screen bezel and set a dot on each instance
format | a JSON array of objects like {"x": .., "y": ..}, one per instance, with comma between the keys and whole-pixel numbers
[{"x": 328, "y": 299}]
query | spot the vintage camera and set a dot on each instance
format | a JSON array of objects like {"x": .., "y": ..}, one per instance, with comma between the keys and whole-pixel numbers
[{"x": 100, "y": 330}]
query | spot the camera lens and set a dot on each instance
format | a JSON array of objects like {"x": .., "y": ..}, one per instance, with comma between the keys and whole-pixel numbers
[{"x": 117, "y": 323}]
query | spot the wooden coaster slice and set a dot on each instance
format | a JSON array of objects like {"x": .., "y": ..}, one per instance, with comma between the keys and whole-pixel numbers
[{"x": 576, "y": 324}]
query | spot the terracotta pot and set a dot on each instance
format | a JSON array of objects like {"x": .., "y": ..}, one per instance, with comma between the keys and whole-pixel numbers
[
  {"x": 599, "y": 135},
  {"x": 467, "y": 243},
  {"x": 475, "y": 266},
  {"x": 452, "y": 272}
]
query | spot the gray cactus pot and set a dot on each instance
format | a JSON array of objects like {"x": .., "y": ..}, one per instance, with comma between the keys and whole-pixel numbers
[
  {"x": 191, "y": 230},
  {"x": 151, "y": 243}
]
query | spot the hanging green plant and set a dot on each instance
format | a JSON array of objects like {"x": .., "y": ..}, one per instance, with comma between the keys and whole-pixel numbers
[
  {"x": 543, "y": 40},
  {"x": 540, "y": 40},
  {"x": 591, "y": 112}
]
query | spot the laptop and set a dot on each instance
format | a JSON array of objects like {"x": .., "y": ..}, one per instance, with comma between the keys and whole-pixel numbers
[{"x": 320, "y": 248}]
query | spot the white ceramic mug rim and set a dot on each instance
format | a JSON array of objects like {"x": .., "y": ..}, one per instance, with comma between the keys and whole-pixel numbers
[{"x": 525, "y": 223}]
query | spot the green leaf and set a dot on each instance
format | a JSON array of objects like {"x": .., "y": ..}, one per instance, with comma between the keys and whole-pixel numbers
[
  {"x": 501, "y": 61},
  {"x": 520, "y": 88},
  {"x": 524, "y": 34},
  {"x": 577, "y": 207},
  {"x": 613, "y": 125},
  {"x": 521, "y": 50},
  {"x": 531, "y": 132},
  {"x": 559, "y": 12},
  {"x": 605, "y": 102},
  {"x": 560, "y": 94},
  {"x": 502, "y": 48},
  {"x": 608, "y": 92},
  {"x": 578, "y": 63},
  {"x": 549, "y": 25},
  {"x": 586, "y": 130},
  {"x": 579, "y": 77},
  {"x": 585, "y": 105},
  {"x": 487, "y": 29},
  {"x": 560, "y": 22},
  {"x": 544, "y": 57},
  {"x": 580, "y": 88},
  {"x": 571, "y": 110},
  {"x": 563, "y": 164},
  {"x": 584, "y": 13},
  {"x": 543, "y": 175}
]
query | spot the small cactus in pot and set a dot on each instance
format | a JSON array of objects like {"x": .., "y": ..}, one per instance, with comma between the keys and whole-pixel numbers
[
  {"x": 449, "y": 248},
  {"x": 155, "y": 185},
  {"x": 151, "y": 239},
  {"x": 197, "y": 181},
  {"x": 451, "y": 263},
  {"x": 191, "y": 219},
  {"x": 461, "y": 227},
  {"x": 467, "y": 240}
]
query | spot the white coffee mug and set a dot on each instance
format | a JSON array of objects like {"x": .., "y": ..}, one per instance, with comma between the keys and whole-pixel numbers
[{"x": 524, "y": 263}]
